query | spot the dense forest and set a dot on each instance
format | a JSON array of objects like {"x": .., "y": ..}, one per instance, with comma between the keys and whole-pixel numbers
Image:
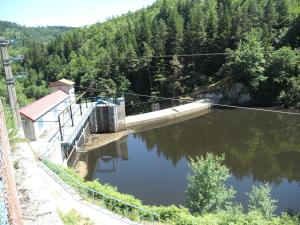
[{"x": 174, "y": 48}]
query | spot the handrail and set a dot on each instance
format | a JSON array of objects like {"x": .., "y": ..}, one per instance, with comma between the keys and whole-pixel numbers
[
  {"x": 69, "y": 138},
  {"x": 104, "y": 196},
  {"x": 108, "y": 100}
]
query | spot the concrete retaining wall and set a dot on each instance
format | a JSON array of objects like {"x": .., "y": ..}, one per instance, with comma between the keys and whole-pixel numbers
[{"x": 108, "y": 119}]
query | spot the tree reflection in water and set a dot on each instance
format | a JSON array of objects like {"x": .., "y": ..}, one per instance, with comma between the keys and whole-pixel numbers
[
  {"x": 264, "y": 145},
  {"x": 259, "y": 147}
]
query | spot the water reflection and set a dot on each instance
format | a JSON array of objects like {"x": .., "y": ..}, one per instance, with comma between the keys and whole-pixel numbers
[
  {"x": 263, "y": 145},
  {"x": 106, "y": 160},
  {"x": 258, "y": 146}
]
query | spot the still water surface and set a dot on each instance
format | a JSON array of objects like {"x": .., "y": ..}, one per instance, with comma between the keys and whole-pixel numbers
[{"x": 259, "y": 147}]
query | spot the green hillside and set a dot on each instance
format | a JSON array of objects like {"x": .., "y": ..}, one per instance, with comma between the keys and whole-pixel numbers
[
  {"x": 122, "y": 54},
  {"x": 27, "y": 38},
  {"x": 28, "y": 35}
]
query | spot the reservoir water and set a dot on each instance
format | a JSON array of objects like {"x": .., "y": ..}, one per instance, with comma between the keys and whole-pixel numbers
[{"x": 258, "y": 146}]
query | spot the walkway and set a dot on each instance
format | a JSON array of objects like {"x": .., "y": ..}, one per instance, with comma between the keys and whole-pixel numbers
[
  {"x": 64, "y": 198},
  {"x": 43, "y": 188}
]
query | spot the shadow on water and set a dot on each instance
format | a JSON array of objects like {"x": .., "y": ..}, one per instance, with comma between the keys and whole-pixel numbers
[{"x": 259, "y": 147}]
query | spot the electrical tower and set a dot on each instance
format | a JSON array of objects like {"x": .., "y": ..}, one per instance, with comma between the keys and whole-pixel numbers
[{"x": 10, "y": 81}]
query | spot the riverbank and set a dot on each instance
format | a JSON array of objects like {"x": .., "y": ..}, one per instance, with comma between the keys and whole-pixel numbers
[{"x": 168, "y": 214}]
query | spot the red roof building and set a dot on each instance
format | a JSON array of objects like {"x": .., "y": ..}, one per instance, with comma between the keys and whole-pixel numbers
[{"x": 40, "y": 107}]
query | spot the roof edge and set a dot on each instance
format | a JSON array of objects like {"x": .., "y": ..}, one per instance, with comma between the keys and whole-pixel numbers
[{"x": 54, "y": 105}]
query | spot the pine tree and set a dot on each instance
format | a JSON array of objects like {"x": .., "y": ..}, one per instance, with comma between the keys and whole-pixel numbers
[
  {"x": 164, "y": 11},
  {"x": 225, "y": 24},
  {"x": 175, "y": 87},
  {"x": 175, "y": 33},
  {"x": 282, "y": 8},
  {"x": 270, "y": 21},
  {"x": 211, "y": 18},
  {"x": 143, "y": 32}
]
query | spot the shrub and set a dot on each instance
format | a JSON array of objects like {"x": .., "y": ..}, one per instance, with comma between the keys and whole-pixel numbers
[
  {"x": 168, "y": 213},
  {"x": 172, "y": 215},
  {"x": 74, "y": 218},
  {"x": 186, "y": 219},
  {"x": 206, "y": 191},
  {"x": 260, "y": 200}
]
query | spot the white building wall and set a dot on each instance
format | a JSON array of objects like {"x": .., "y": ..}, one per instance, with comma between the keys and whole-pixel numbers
[
  {"x": 28, "y": 127},
  {"x": 45, "y": 122},
  {"x": 70, "y": 90}
]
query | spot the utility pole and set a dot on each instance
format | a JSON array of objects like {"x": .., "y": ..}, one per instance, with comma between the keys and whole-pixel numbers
[{"x": 10, "y": 82}]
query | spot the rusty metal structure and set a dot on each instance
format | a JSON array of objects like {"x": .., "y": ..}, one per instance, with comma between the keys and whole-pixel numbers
[{"x": 10, "y": 212}]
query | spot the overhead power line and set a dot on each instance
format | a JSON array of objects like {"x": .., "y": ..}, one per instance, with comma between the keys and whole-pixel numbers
[
  {"x": 187, "y": 55},
  {"x": 195, "y": 55},
  {"x": 211, "y": 54},
  {"x": 256, "y": 109},
  {"x": 191, "y": 101}
]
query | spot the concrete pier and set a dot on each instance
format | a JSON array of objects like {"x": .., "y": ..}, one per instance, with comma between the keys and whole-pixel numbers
[{"x": 108, "y": 119}]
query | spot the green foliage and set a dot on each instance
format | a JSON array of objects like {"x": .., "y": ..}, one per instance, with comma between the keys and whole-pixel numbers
[
  {"x": 170, "y": 214},
  {"x": 74, "y": 218},
  {"x": 116, "y": 56},
  {"x": 260, "y": 200},
  {"x": 30, "y": 35},
  {"x": 247, "y": 62},
  {"x": 291, "y": 96},
  {"x": 292, "y": 37},
  {"x": 206, "y": 191},
  {"x": 10, "y": 123},
  {"x": 30, "y": 41},
  {"x": 106, "y": 189},
  {"x": 283, "y": 72}
]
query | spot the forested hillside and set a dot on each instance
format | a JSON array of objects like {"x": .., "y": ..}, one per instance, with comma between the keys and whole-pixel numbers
[
  {"x": 168, "y": 49},
  {"x": 28, "y": 35},
  {"x": 26, "y": 38}
]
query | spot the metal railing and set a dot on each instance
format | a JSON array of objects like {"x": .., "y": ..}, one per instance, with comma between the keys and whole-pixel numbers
[
  {"x": 121, "y": 207},
  {"x": 70, "y": 138},
  {"x": 102, "y": 100}
]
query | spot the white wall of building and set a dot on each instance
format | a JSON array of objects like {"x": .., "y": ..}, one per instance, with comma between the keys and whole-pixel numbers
[
  {"x": 70, "y": 90},
  {"x": 28, "y": 127},
  {"x": 34, "y": 129}
]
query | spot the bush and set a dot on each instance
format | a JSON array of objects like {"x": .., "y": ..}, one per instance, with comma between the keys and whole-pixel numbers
[
  {"x": 260, "y": 200},
  {"x": 74, "y": 218},
  {"x": 206, "y": 191},
  {"x": 167, "y": 214}
]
